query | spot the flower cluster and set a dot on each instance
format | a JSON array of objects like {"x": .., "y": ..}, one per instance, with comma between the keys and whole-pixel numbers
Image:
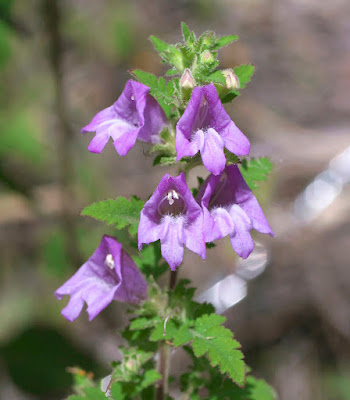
[{"x": 224, "y": 205}]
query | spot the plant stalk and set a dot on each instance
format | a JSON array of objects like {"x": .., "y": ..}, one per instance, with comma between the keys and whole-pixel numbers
[{"x": 164, "y": 354}]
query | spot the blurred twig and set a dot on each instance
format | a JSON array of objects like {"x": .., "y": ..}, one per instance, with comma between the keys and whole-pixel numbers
[{"x": 52, "y": 17}]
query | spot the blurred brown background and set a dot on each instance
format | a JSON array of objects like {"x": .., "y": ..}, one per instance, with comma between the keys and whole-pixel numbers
[{"x": 60, "y": 63}]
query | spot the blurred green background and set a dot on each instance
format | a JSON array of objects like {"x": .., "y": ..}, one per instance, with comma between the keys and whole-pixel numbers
[{"x": 60, "y": 63}]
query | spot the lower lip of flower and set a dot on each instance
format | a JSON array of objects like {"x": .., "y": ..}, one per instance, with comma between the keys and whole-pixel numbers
[{"x": 172, "y": 203}]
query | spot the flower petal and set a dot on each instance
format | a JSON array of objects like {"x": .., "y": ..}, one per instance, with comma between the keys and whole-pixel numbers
[
  {"x": 194, "y": 237},
  {"x": 235, "y": 141},
  {"x": 241, "y": 241},
  {"x": 212, "y": 152},
  {"x": 223, "y": 224},
  {"x": 98, "y": 142},
  {"x": 105, "y": 115},
  {"x": 172, "y": 241}
]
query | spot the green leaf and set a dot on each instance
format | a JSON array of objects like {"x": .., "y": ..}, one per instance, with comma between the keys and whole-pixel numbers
[
  {"x": 120, "y": 212},
  {"x": 117, "y": 391},
  {"x": 188, "y": 35},
  {"x": 224, "y": 41},
  {"x": 229, "y": 97},
  {"x": 231, "y": 158},
  {"x": 91, "y": 393},
  {"x": 255, "y": 170},
  {"x": 144, "y": 323},
  {"x": 169, "y": 53},
  {"x": 150, "y": 260},
  {"x": 183, "y": 335},
  {"x": 146, "y": 78},
  {"x": 218, "y": 343},
  {"x": 164, "y": 160},
  {"x": 171, "y": 72},
  {"x": 244, "y": 73},
  {"x": 216, "y": 77},
  {"x": 169, "y": 328},
  {"x": 259, "y": 389},
  {"x": 149, "y": 377},
  {"x": 159, "y": 44},
  {"x": 158, "y": 87}
]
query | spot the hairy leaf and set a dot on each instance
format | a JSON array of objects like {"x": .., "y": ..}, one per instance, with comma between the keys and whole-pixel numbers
[
  {"x": 217, "y": 341},
  {"x": 224, "y": 41},
  {"x": 120, "y": 212},
  {"x": 255, "y": 170},
  {"x": 244, "y": 73}
]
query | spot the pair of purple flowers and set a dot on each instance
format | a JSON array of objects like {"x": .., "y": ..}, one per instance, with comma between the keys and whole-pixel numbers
[
  {"x": 224, "y": 205},
  {"x": 205, "y": 126}
]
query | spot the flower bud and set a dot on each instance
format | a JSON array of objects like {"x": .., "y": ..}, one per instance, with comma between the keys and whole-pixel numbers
[
  {"x": 187, "y": 84},
  {"x": 231, "y": 79},
  {"x": 207, "y": 57},
  {"x": 187, "y": 81}
]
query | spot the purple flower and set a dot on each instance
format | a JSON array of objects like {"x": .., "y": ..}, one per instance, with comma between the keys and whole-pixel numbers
[
  {"x": 135, "y": 115},
  {"x": 173, "y": 216},
  {"x": 230, "y": 208},
  {"x": 109, "y": 274},
  {"x": 206, "y": 127}
]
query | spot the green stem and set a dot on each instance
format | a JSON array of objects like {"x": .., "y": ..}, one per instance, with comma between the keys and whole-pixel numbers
[{"x": 164, "y": 354}]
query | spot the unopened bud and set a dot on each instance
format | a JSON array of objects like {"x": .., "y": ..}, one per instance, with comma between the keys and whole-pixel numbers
[
  {"x": 207, "y": 57},
  {"x": 231, "y": 79},
  {"x": 187, "y": 81}
]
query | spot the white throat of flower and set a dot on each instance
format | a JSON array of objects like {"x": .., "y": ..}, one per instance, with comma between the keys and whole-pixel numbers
[
  {"x": 171, "y": 195},
  {"x": 109, "y": 262}
]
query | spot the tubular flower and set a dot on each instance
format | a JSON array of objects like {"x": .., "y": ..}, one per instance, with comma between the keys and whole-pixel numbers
[
  {"x": 135, "y": 115},
  {"x": 206, "y": 127},
  {"x": 173, "y": 216},
  {"x": 109, "y": 274},
  {"x": 230, "y": 208}
]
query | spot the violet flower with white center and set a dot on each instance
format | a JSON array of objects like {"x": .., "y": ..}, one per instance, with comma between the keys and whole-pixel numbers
[
  {"x": 109, "y": 274},
  {"x": 135, "y": 115},
  {"x": 205, "y": 126},
  {"x": 230, "y": 208},
  {"x": 173, "y": 216}
]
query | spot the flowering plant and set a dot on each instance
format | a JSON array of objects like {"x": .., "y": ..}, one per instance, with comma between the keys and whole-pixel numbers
[{"x": 183, "y": 119}]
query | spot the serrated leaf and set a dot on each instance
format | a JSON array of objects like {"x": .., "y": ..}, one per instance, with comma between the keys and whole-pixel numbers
[
  {"x": 144, "y": 323},
  {"x": 188, "y": 35},
  {"x": 216, "y": 77},
  {"x": 224, "y": 41},
  {"x": 157, "y": 87},
  {"x": 120, "y": 212},
  {"x": 169, "y": 328},
  {"x": 244, "y": 73},
  {"x": 159, "y": 44},
  {"x": 208, "y": 321},
  {"x": 217, "y": 341},
  {"x": 255, "y": 170},
  {"x": 183, "y": 335},
  {"x": 164, "y": 160},
  {"x": 169, "y": 53},
  {"x": 146, "y": 78}
]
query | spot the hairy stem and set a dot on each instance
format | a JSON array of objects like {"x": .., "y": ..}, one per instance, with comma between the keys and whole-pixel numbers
[{"x": 164, "y": 354}]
